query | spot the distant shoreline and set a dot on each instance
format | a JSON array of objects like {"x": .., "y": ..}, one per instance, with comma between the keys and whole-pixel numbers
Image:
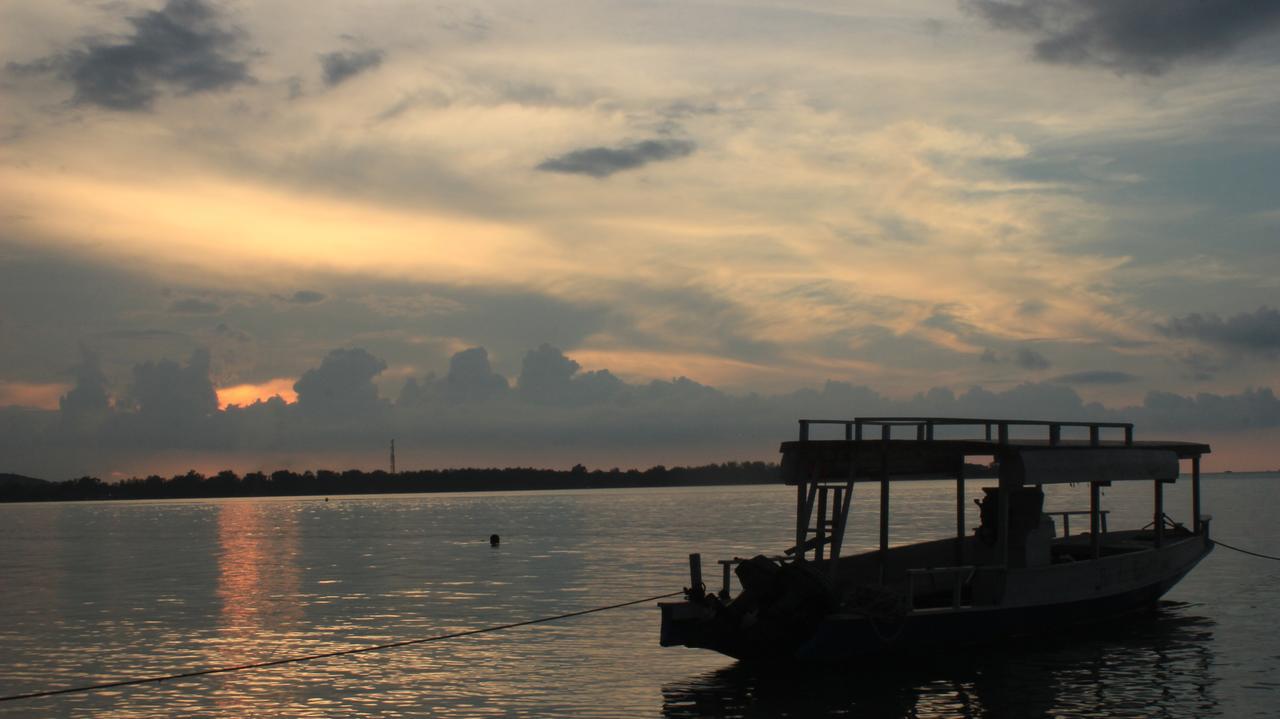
[{"x": 284, "y": 483}]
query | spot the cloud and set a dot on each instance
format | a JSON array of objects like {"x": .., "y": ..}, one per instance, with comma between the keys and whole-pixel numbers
[
  {"x": 341, "y": 386},
  {"x": 194, "y": 306},
  {"x": 168, "y": 393},
  {"x": 1023, "y": 357},
  {"x": 545, "y": 375},
  {"x": 1030, "y": 359},
  {"x": 1257, "y": 332},
  {"x": 1032, "y": 308},
  {"x": 559, "y": 414},
  {"x": 342, "y": 66},
  {"x": 1095, "y": 377},
  {"x": 1251, "y": 408},
  {"x": 1130, "y": 36},
  {"x": 89, "y": 395},
  {"x": 601, "y": 162},
  {"x": 471, "y": 378},
  {"x": 306, "y": 297},
  {"x": 548, "y": 377},
  {"x": 182, "y": 47}
]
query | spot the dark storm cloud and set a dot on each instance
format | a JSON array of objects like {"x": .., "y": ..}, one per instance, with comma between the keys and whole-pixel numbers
[
  {"x": 194, "y": 306},
  {"x": 1095, "y": 377},
  {"x": 1255, "y": 332},
  {"x": 601, "y": 162},
  {"x": 183, "y": 47},
  {"x": 1141, "y": 36},
  {"x": 342, "y": 66}
]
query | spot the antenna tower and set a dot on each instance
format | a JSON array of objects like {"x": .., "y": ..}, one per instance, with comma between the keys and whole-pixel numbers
[{"x": 393, "y": 456}]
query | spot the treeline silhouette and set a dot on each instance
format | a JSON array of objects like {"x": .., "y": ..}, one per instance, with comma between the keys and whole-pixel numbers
[{"x": 354, "y": 481}]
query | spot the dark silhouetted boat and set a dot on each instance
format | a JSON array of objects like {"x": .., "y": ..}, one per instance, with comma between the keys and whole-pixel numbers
[{"x": 1014, "y": 575}]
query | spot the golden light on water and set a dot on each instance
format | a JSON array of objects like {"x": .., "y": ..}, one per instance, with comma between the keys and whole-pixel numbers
[{"x": 258, "y": 580}]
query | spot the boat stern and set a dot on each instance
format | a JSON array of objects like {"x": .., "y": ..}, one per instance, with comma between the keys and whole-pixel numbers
[{"x": 685, "y": 624}]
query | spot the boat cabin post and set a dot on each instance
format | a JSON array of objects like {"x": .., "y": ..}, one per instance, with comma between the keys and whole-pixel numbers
[
  {"x": 1159, "y": 512},
  {"x": 1095, "y": 518},
  {"x": 960, "y": 528},
  {"x": 885, "y": 435},
  {"x": 1195, "y": 494}
]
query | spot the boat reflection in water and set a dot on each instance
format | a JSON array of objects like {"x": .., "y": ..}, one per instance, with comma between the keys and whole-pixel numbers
[{"x": 1154, "y": 664}]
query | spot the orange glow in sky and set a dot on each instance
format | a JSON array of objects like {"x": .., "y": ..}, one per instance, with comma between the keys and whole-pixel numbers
[
  {"x": 247, "y": 394},
  {"x": 35, "y": 396}
]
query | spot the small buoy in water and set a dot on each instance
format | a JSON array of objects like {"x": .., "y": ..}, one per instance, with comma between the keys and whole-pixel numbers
[
  {"x": 326, "y": 499},
  {"x": 494, "y": 539}
]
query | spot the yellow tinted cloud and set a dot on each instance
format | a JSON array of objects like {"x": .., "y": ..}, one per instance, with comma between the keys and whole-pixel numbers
[
  {"x": 239, "y": 229},
  {"x": 247, "y": 394}
]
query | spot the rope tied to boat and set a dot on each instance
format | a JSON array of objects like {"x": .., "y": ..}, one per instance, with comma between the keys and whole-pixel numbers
[
  {"x": 325, "y": 655},
  {"x": 1260, "y": 555}
]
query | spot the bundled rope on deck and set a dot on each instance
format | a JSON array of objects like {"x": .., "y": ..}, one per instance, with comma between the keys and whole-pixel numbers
[{"x": 324, "y": 655}]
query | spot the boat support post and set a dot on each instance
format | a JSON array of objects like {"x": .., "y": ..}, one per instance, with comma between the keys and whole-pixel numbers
[
  {"x": 1159, "y": 512},
  {"x": 1095, "y": 541},
  {"x": 840, "y": 519},
  {"x": 960, "y": 533},
  {"x": 884, "y": 501},
  {"x": 1195, "y": 494}
]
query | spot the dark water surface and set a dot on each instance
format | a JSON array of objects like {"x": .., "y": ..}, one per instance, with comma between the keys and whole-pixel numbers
[{"x": 102, "y": 591}]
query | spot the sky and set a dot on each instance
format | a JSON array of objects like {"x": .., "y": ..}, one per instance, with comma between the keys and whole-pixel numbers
[{"x": 278, "y": 235}]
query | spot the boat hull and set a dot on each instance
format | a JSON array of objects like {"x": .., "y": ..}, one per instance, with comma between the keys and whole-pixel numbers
[{"x": 1027, "y": 602}]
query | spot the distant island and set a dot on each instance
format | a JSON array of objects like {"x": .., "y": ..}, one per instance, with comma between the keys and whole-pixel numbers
[{"x": 285, "y": 483}]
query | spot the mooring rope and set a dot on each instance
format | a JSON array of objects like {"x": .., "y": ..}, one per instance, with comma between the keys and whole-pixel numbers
[
  {"x": 1221, "y": 543},
  {"x": 325, "y": 655}
]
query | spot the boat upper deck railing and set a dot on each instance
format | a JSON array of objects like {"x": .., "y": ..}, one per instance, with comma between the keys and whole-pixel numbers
[{"x": 993, "y": 430}]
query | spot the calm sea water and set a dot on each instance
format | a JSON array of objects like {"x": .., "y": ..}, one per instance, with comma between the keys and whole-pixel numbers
[{"x": 101, "y": 591}]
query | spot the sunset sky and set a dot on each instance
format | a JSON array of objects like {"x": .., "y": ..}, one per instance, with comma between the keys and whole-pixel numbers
[{"x": 673, "y": 228}]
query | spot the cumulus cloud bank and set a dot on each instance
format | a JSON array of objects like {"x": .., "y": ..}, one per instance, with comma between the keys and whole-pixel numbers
[
  {"x": 1253, "y": 332},
  {"x": 553, "y": 403}
]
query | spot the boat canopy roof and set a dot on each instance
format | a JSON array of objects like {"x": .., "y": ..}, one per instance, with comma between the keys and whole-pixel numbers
[{"x": 1025, "y": 451}]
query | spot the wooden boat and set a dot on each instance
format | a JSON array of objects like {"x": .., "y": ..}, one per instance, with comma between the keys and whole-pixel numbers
[{"x": 1014, "y": 575}]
